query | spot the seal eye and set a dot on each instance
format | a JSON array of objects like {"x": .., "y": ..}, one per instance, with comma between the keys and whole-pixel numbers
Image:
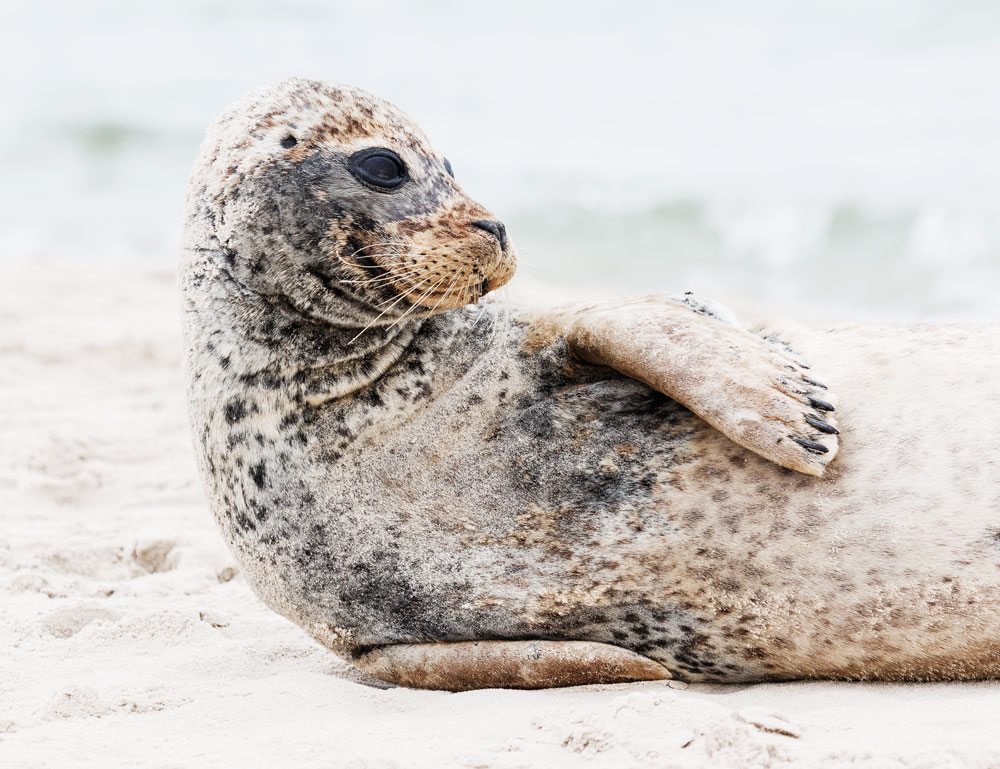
[
  {"x": 447, "y": 167},
  {"x": 289, "y": 141},
  {"x": 379, "y": 168}
]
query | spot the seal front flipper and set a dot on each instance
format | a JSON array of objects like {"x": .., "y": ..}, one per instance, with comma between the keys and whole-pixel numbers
[
  {"x": 754, "y": 390},
  {"x": 465, "y": 665}
]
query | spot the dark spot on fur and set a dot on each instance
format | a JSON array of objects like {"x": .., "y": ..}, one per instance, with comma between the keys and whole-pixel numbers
[
  {"x": 415, "y": 365},
  {"x": 244, "y": 522},
  {"x": 236, "y": 409},
  {"x": 259, "y": 474}
]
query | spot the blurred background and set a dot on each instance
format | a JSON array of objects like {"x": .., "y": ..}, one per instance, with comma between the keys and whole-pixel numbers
[{"x": 836, "y": 159}]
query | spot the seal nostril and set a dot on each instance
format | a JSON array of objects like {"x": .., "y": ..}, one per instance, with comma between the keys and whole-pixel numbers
[{"x": 494, "y": 228}]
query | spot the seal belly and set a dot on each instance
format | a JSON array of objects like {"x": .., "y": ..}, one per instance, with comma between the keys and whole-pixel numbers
[{"x": 544, "y": 516}]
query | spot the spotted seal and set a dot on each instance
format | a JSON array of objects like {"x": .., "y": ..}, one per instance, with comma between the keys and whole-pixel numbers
[{"x": 456, "y": 495}]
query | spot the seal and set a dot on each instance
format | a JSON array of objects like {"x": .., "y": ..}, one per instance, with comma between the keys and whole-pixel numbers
[{"x": 455, "y": 494}]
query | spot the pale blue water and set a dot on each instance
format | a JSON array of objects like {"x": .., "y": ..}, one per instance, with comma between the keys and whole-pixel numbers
[{"x": 842, "y": 156}]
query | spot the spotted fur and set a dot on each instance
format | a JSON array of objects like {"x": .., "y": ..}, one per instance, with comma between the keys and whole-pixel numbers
[{"x": 442, "y": 472}]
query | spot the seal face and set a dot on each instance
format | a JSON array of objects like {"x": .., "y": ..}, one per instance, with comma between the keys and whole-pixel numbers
[{"x": 436, "y": 490}]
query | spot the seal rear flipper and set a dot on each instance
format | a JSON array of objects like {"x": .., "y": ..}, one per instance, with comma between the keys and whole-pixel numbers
[
  {"x": 464, "y": 665},
  {"x": 754, "y": 390}
]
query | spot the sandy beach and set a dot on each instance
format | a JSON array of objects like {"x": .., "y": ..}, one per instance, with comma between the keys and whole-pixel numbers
[{"x": 129, "y": 639}]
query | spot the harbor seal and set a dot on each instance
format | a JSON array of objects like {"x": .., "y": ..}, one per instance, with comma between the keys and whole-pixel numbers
[{"x": 457, "y": 495}]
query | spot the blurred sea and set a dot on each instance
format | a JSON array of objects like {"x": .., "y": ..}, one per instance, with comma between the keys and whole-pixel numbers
[{"x": 834, "y": 158}]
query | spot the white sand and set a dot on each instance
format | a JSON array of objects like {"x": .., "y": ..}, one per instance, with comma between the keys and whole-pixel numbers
[{"x": 129, "y": 640}]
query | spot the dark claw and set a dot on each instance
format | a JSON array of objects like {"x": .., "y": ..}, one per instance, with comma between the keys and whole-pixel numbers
[
  {"x": 814, "y": 383},
  {"x": 816, "y": 403},
  {"x": 815, "y": 448},
  {"x": 822, "y": 425}
]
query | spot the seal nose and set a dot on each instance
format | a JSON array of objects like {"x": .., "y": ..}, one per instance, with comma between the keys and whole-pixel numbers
[{"x": 496, "y": 229}]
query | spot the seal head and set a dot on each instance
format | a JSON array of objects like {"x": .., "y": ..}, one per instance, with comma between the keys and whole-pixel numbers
[{"x": 334, "y": 200}]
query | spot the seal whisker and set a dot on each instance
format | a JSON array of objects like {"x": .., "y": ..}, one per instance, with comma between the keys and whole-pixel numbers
[
  {"x": 406, "y": 293},
  {"x": 429, "y": 292},
  {"x": 381, "y": 255},
  {"x": 357, "y": 251},
  {"x": 384, "y": 279},
  {"x": 384, "y": 265},
  {"x": 479, "y": 317},
  {"x": 350, "y": 261},
  {"x": 387, "y": 274},
  {"x": 398, "y": 299},
  {"x": 405, "y": 268},
  {"x": 414, "y": 305},
  {"x": 447, "y": 292},
  {"x": 408, "y": 267},
  {"x": 347, "y": 258}
]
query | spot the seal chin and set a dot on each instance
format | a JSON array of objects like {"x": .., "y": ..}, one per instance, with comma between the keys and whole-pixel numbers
[
  {"x": 475, "y": 291},
  {"x": 498, "y": 278}
]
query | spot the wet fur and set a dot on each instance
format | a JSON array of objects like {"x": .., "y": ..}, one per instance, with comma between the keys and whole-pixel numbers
[{"x": 456, "y": 477}]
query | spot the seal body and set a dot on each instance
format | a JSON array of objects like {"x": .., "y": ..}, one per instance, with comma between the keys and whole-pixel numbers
[
  {"x": 485, "y": 490},
  {"x": 461, "y": 476}
]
